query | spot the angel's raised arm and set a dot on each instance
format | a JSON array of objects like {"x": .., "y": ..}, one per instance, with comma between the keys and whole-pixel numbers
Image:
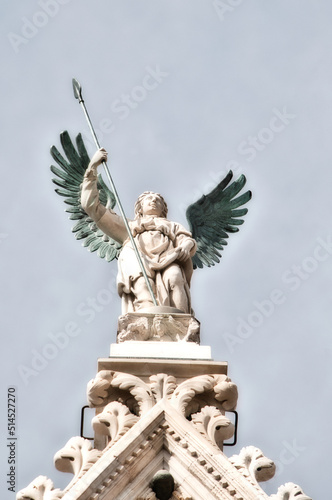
[
  {"x": 69, "y": 176},
  {"x": 107, "y": 220}
]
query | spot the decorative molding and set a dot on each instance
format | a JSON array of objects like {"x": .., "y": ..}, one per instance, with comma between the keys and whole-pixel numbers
[
  {"x": 76, "y": 457},
  {"x": 213, "y": 425},
  {"x": 251, "y": 461},
  {"x": 187, "y": 397},
  {"x": 114, "y": 421},
  {"x": 162, "y": 385},
  {"x": 158, "y": 327},
  {"x": 41, "y": 488},
  {"x": 99, "y": 389},
  {"x": 290, "y": 491},
  {"x": 164, "y": 438},
  {"x": 226, "y": 392},
  {"x": 188, "y": 389}
]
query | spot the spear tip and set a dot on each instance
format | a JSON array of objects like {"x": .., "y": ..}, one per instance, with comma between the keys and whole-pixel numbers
[{"x": 77, "y": 90}]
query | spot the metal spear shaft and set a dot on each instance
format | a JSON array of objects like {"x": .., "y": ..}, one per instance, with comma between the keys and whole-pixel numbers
[{"x": 78, "y": 95}]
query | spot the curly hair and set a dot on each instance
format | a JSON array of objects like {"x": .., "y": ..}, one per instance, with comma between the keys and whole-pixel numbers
[{"x": 138, "y": 204}]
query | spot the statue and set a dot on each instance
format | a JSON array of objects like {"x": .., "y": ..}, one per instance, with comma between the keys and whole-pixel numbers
[
  {"x": 169, "y": 252},
  {"x": 166, "y": 247}
]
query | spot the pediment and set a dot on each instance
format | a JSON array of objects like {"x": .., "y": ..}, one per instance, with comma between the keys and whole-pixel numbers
[{"x": 163, "y": 439}]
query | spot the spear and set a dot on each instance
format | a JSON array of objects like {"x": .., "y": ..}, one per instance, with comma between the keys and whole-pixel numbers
[{"x": 78, "y": 95}]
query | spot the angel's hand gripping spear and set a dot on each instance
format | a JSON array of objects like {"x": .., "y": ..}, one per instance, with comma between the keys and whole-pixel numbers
[{"x": 78, "y": 95}]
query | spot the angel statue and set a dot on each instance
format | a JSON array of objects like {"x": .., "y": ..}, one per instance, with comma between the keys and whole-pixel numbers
[{"x": 169, "y": 251}]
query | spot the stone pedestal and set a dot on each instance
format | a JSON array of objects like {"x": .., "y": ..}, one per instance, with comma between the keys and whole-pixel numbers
[{"x": 159, "y": 350}]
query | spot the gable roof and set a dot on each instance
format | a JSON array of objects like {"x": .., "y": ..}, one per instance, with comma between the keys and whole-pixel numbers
[{"x": 163, "y": 439}]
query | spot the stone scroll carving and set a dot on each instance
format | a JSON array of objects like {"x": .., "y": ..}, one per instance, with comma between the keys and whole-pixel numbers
[
  {"x": 290, "y": 491},
  {"x": 114, "y": 421},
  {"x": 40, "y": 488},
  {"x": 100, "y": 389},
  {"x": 251, "y": 461},
  {"x": 187, "y": 397},
  {"x": 76, "y": 457},
  {"x": 212, "y": 424}
]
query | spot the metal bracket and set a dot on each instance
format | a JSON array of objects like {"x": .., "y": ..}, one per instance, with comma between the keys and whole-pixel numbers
[
  {"x": 82, "y": 423},
  {"x": 235, "y": 433}
]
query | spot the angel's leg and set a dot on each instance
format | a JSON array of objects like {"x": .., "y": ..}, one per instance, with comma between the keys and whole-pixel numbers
[
  {"x": 142, "y": 293},
  {"x": 175, "y": 282}
]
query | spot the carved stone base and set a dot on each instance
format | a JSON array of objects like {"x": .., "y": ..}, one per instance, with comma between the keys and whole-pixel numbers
[{"x": 161, "y": 327}]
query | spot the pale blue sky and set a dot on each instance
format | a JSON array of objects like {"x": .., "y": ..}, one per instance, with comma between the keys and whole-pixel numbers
[{"x": 250, "y": 89}]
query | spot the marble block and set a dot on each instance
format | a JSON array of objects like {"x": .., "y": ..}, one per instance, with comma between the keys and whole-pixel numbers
[{"x": 170, "y": 350}]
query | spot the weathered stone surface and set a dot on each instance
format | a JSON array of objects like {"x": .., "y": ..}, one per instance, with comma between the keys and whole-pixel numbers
[
  {"x": 251, "y": 461},
  {"x": 158, "y": 327},
  {"x": 290, "y": 491},
  {"x": 40, "y": 488}
]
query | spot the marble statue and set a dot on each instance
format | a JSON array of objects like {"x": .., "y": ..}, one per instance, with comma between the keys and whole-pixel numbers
[{"x": 168, "y": 251}]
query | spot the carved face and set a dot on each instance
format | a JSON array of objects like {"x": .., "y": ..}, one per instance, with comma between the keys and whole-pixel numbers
[{"x": 150, "y": 203}]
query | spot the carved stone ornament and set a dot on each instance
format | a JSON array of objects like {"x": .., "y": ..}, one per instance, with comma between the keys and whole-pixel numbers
[
  {"x": 114, "y": 421},
  {"x": 76, "y": 457},
  {"x": 188, "y": 397},
  {"x": 252, "y": 461},
  {"x": 212, "y": 424},
  {"x": 158, "y": 328},
  {"x": 40, "y": 488},
  {"x": 290, "y": 491}
]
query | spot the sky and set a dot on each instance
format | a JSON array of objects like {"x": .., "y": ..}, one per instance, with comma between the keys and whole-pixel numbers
[{"x": 179, "y": 93}]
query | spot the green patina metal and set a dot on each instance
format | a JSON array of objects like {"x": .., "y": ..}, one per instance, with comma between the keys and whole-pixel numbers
[
  {"x": 215, "y": 215},
  {"x": 68, "y": 179}
]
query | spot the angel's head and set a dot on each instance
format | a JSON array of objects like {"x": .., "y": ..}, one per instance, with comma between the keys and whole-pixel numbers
[{"x": 150, "y": 203}]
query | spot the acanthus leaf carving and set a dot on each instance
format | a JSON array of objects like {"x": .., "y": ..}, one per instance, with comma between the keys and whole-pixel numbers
[
  {"x": 226, "y": 392},
  {"x": 188, "y": 397},
  {"x": 41, "y": 488},
  {"x": 188, "y": 389},
  {"x": 137, "y": 387},
  {"x": 252, "y": 462},
  {"x": 162, "y": 385},
  {"x": 212, "y": 424},
  {"x": 290, "y": 491},
  {"x": 114, "y": 421},
  {"x": 76, "y": 457},
  {"x": 97, "y": 390}
]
